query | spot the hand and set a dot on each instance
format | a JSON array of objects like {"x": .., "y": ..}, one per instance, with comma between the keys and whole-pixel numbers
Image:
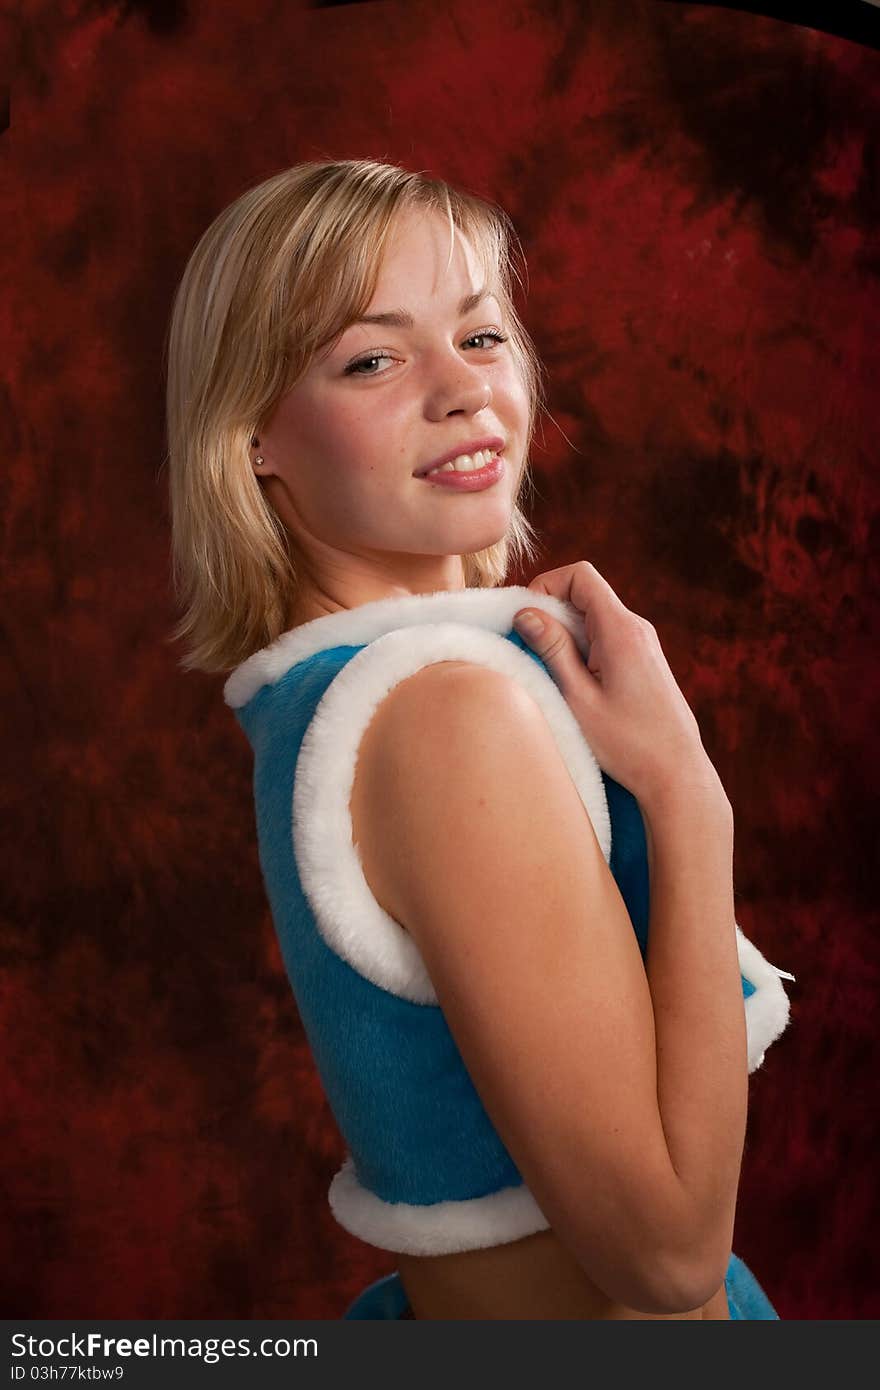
[{"x": 625, "y": 698}]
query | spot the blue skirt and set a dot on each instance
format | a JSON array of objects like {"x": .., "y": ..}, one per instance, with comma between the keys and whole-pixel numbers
[{"x": 747, "y": 1301}]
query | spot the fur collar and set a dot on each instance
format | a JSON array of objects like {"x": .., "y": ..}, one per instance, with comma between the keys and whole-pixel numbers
[{"x": 491, "y": 609}]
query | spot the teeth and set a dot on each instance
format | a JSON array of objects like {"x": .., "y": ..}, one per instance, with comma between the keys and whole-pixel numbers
[{"x": 465, "y": 463}]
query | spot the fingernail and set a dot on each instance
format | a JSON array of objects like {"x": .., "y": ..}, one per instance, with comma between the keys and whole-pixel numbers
[{"x": 529, "y": 623}]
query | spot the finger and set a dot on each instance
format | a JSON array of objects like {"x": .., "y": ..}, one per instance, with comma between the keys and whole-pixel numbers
[
  {"x": 556, "y": 647},
  {"x": 583, "y": 586},
  {"x": 570, "y": 581}
]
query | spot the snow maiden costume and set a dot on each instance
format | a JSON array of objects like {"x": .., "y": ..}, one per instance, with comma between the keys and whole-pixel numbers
[{"x": 426, "y": 1172}]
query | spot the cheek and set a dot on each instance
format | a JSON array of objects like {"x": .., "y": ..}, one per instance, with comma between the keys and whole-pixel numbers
[
  {"x": 514, "y": 394},
  {"x": 375, "y": 434},
  {"x": 329, "y": 437},
  {"x": 351, "y": 420},
  {"x": 355, "y": 447}
]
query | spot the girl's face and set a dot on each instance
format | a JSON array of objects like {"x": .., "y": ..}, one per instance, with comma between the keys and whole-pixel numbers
[{"x": 429, "y": 376}]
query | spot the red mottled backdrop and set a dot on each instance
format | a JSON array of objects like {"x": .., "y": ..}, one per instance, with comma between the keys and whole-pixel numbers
[{"x": 697, "y": 194}]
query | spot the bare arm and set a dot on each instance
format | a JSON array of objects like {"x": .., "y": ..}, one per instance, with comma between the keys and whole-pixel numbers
[
  {"x": 696, "y": 994},
  {"x": 628, "y": 1133}
]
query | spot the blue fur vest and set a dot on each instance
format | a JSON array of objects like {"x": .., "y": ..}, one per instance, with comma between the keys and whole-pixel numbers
[{"x": 426, "y": 1172}]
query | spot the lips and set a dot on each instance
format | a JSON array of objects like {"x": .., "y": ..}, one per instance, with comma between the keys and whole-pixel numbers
[
  {"x": 491, "y": 441},
  {"x": 472, "y": 480}
]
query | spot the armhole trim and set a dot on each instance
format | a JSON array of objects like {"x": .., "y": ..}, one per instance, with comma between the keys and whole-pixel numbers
[{"x": 350, "y": 920}]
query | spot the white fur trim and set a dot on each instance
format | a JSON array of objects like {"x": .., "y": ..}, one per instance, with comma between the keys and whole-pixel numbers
[
  {"x": 438, "y": 1228},
  {"x": 492, "y": 609},
  {"x": 767, "y": 1010},
  {"x": 348, "y": 916}
]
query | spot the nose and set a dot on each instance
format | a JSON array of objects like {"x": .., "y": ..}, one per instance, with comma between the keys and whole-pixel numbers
[{"x": 456, "y": 387}]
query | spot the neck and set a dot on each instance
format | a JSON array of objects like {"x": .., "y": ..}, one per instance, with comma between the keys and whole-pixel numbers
[{"x": 317, "y": 602}]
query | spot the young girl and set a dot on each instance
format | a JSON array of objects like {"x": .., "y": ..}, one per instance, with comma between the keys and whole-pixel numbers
[{"x": 538, "y": 1065}]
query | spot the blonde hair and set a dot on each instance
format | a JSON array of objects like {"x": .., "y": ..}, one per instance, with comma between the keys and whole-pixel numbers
[{"x": 275, "y": 278}]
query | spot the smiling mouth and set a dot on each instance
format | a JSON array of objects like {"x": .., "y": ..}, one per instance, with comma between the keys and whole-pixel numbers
[
  {"x": 464, "y": 463},
  {"x": 475, "y": 454},
  {"x": 470, "y": 479}
]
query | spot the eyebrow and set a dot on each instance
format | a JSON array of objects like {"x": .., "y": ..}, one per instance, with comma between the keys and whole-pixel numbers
[{"x": 398, "y": 318}]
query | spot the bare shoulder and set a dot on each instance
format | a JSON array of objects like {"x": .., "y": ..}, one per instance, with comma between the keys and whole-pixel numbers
[
  {"x": 451, "y": 689},
  {"x": 415, "y": 754}
]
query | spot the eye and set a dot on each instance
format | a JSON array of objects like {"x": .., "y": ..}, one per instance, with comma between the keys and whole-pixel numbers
[
  {"x": 491, "y": 333},
  {"x": 354, "y": 368}
]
